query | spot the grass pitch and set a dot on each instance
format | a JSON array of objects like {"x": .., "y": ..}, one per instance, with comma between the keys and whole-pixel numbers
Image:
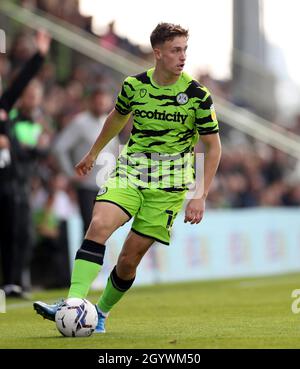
[{"x": 247, "y": 313}]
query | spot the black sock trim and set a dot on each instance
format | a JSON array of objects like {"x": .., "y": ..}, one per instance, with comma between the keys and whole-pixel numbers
[
  {"x": 91, "y": 251},
  {"x": 93, "y": 246},
  {"x": 120, "y": 284}
]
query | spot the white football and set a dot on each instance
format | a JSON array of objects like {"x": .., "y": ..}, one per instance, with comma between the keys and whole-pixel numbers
[{"x": 76, "y": 318}]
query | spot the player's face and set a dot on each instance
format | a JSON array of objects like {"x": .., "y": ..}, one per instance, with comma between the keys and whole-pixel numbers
[{"x": 171, "y": 55}]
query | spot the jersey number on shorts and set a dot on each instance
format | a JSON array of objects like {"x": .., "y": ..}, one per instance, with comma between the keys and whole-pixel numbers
[{"x": 171, "y": 217}]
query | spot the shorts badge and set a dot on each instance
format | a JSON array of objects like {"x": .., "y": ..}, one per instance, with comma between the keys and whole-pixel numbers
[{"x": 102, "y": 191}]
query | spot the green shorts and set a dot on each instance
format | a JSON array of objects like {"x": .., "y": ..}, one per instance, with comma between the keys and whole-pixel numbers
[{"x": 154, "y": 210}]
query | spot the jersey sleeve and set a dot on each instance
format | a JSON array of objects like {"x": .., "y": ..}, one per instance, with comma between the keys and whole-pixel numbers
[
  {"x": 123, "y": 104},
  {"x": 205, "y": 115}
]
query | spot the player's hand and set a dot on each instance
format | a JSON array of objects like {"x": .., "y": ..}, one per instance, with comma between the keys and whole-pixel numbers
[
  {"x": 43, "y": 41},
  {"x": 85, "y": 165},
  {"x": 194, "y": 211}
]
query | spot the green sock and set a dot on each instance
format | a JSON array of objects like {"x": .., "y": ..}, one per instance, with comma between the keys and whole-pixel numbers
[
  {"x": 109, "y": 297},
  {"x": 88, "y": 263},
  {"x": 113, "y": 292},
  {"x": 83, "y": 275}
]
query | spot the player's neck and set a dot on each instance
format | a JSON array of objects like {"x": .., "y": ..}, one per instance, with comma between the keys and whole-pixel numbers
[{"x": 164, "y": 78}]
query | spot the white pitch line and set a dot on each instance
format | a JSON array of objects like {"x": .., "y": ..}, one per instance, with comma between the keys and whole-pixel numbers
[{"x": 21, "y": 305}]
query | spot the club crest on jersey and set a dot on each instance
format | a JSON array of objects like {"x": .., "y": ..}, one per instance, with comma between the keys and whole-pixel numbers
[
  {"x": 102, "y": 191},
  {"x": 143, "y": 92},
  {"x": 182, "y": 98}
]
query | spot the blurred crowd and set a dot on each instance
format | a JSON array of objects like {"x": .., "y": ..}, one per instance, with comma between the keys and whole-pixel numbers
[
  {"x": 250, "y": 173},
  {"x": 68, "y": 10}
]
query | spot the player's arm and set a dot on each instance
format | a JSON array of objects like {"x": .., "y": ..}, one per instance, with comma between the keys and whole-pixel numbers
[
  {"x": 114, "y": 123},
  {"x": 195, "y": 208},
  {"x": 207, "y": 126},
  {"x": 212, "y": 157}
]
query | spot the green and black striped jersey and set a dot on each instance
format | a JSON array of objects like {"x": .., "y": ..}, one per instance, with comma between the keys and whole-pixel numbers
[{"x": 167, "y": 123}]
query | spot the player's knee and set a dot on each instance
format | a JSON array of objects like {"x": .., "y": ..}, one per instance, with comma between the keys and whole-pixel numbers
[
  {"x": 100, "y": 221},
  {"x": 100, "y": 227}
]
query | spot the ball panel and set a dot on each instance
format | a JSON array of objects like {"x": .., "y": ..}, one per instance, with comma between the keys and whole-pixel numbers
[{"x": 76, "y": 318}]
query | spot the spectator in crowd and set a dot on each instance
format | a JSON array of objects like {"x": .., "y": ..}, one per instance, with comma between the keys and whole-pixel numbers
[
  {"x": 32, "y": 144},
  {"x": 67, "y": 10},
  {"x": 76, "y": 139},
  {"x": 52, "y": 207},
  {"x": 112, "y": 41},
  {"x": 13, "y": 243}
]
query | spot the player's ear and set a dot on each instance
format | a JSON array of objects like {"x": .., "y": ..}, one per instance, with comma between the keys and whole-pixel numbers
[{"x": 157, "y": 52}]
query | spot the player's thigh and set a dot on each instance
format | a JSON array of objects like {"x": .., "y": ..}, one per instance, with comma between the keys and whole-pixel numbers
[
  {"x": 109, "y": 215},
  {"x": 113, "y": 207},
  {"x": 156, "y": 216},
  {"x": 106, "y": 219},
  {"x": 128, "y": 199}
]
